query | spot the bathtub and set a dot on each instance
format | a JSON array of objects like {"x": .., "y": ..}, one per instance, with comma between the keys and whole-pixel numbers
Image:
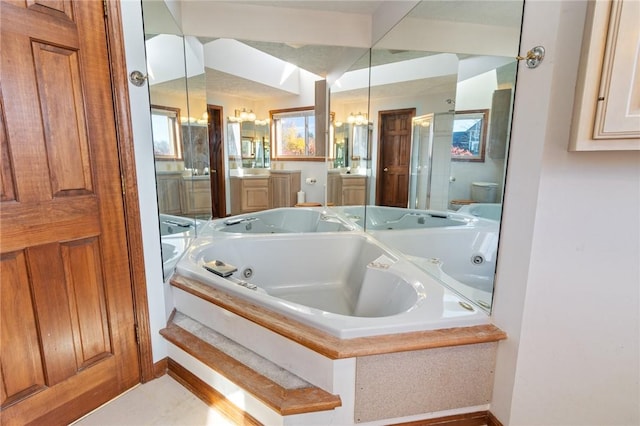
[
  {"x": 491, "y": 211},
  {"x": 176, "y": 233},
  {"x": 281, "y": 220},
  {"x": 467, "y": 255},
  {"x": 346, "y": 284},
  {"x": 389, "y": 218}
]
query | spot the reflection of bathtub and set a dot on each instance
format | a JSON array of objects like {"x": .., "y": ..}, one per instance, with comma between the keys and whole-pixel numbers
[
  {"x": 176, "y": 233},
  {"x": 382, "y": 217},
  {"x": 486, "y": 210},
  {"x": 467, "y": 254},
  {"x": 346, "y": 284},
  {"x": 280, "y": 220}
]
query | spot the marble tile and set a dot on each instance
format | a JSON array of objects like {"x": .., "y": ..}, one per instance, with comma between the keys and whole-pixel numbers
[{"x": 161, "y": 402}]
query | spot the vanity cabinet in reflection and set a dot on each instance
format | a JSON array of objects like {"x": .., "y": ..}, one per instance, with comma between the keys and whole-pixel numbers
[
  {"x": 249, "y": 194},
  {"x": 284, "y": 187},
  {"x": 169, "y": 188},
  {"x": 346, "y": 190},
  {"x": 354, "y": 190},
  {"x": 334, "y": 188},
  {"x": 196, "y": 196}
]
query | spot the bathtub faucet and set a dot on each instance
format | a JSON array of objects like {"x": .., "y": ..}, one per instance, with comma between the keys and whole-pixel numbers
[{"x": 239, "y": 220}]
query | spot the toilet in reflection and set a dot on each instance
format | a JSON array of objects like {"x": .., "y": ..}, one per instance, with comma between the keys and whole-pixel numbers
[
  {"x": 481, "y": 192},
  {"x": 484, "y": 192}
]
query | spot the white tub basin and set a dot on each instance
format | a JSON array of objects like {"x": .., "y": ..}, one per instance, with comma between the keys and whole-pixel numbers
[
  {"x": 346, "y": 284},
  {"x": 280, "y": 221}
]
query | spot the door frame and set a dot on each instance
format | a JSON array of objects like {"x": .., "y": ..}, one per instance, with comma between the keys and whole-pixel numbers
[{"x": 120, "y": 93}]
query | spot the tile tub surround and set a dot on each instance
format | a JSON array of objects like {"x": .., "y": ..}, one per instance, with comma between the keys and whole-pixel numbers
[{"x": 409, "y": 383}]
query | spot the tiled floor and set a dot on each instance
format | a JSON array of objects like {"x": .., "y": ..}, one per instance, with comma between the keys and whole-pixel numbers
[{"x": 160, "y": 402}]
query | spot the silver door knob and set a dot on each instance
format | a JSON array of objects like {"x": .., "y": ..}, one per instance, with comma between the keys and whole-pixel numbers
[{"x": 385, "y": 169}]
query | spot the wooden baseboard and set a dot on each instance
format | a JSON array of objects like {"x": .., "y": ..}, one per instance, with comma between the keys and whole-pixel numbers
[
  {"x": 160, "y": 368},
  {"x": 210, "y": 396},
  {"x": 478, "y": 418},
  {"x": 492, "y": 420}
]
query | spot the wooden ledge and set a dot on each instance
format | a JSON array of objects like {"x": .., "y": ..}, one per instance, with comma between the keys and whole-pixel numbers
[
  {"x": 332, "y": 346},
  {"x": 284, "y": 401}
]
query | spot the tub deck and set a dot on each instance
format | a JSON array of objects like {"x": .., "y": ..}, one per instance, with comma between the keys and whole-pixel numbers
[{"x": 334, "y": 347}]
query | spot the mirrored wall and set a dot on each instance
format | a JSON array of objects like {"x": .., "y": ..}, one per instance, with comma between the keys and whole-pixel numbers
[{"x": 409, "y": 137}]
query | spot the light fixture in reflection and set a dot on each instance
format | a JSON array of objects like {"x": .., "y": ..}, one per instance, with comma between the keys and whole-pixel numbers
[
  {"x": 357, "y": 119},
  {"x": 243, "y": 115}
]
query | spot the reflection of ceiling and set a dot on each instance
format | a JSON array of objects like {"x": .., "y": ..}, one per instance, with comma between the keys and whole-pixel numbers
[
  {"x": 320, "y": 60},
  {"x": 228, "y": 84},
  {"x": 500, "y": 13},
  {"x": 362, "y": 7},
  {"x": 214, "y": 81},
  {"x": 426, "y": 86}
]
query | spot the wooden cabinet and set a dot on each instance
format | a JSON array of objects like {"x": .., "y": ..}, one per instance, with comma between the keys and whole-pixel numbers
[
  {"x": 354, "y": 190},
  {"x": 334, "y": 188},
  {"x": 196, "y": 196},
  {"x": 607, "y": 103},
  {"x": 249, "y": 194},
  {"x": 346, "y": 190},
  {"x": 169, "y": 187},
  {"x": 284, "y": 187}
]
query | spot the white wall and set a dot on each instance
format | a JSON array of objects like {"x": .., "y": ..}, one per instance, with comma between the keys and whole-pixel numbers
[{"x": 567, "y": 286}]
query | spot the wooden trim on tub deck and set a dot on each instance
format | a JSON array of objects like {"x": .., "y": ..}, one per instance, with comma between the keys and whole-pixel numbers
[{"x": 332, "y": 346}]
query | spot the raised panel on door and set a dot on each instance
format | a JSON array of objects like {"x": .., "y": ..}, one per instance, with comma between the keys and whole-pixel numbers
[
  {"x": 21, "y": 366},
  {"x": 68, "y": 340}
]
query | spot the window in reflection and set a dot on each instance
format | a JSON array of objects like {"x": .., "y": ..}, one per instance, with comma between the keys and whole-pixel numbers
[
  {"x": 166, "y": 132},
  {"x": 469, "y": 135},
  {"x": 294, "y": 132}
]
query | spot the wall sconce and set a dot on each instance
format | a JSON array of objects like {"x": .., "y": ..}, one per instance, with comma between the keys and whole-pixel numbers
[
  {"x": 357, "y": 119},
  {"x": 338, "y": 124}
]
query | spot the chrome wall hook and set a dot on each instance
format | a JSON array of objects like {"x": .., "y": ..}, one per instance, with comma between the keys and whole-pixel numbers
[
  {"x": 137, "y": 78},
  {"x": 534, "y": 57}
]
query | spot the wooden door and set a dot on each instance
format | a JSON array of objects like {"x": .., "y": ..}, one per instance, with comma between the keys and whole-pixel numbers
[
  {"x": 67, "y": 341},
  {"x": 394, "y": 157},
  {"x": 216, "y": 159}
]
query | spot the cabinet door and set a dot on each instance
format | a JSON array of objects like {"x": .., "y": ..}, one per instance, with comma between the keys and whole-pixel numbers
[
  {"x": 280, "y": 190},
  {"x": 197, "y": 197},
  {"x": 169, "y": 195},
  {"x": 354, "y": 191},
  {"x": 255, "y": 195},
  {"x": 607, "y": 102}
]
